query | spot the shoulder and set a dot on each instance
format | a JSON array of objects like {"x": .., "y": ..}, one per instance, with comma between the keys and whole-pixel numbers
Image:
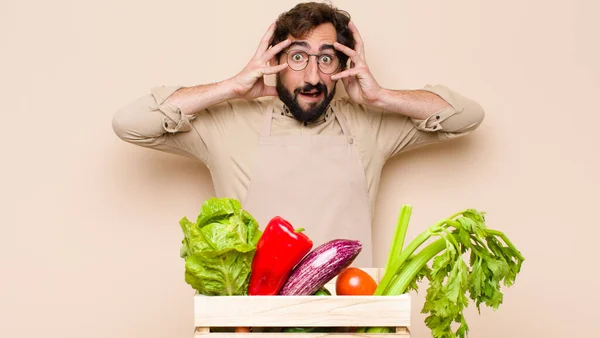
[
  {"x": 233, "y": 110},
  {"x": 237, "y": 105},
  {"x": 355, "y": 113},
  {"x": 250, "y": 105}
]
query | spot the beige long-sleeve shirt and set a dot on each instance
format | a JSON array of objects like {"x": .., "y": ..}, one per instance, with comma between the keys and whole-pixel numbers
[{"x": 225, "y": 136}]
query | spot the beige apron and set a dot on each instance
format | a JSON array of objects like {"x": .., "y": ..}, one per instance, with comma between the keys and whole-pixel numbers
[{"x": 315, "y": 182}]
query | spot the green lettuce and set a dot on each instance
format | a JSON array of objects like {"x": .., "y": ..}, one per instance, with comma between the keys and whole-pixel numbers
[{"x": 218, "y": 249}]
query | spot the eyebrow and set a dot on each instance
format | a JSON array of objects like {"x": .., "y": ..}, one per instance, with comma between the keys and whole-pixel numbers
[
  {"x": 323, "y": 47},
  {"x": 299, "y": 43},
  {"x": 306, "y": 45}
]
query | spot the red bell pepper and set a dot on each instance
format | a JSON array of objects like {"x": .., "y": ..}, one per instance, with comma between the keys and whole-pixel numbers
[{"x": 278, "y": 250}]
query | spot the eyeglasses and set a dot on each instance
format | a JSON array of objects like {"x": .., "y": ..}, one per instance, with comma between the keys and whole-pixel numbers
[{"x": 298, "y": 60}]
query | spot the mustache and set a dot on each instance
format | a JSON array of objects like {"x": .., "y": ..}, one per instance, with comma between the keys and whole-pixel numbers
[{"x": 308, "y": 87}]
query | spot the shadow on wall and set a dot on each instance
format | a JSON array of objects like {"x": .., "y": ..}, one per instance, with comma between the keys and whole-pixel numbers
[
  {"x": 456, "y": 153},
  {"x": 433, "y": 173},
  {"x": 149, "y": 176}
]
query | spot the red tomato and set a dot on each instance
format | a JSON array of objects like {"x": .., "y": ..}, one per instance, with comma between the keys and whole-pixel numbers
[{"x": 355, "y": 282}]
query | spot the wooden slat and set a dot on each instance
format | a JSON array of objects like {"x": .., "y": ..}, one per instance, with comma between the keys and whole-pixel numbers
[
  {"x": 307, "y": 335},
  {"x": 307, "y": 311}
]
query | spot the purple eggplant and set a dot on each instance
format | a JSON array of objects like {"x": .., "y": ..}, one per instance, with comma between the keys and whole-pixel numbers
[{"x": 320, "y": 266}]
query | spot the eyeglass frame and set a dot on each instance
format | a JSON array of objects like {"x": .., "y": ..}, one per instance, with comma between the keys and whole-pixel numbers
[{"x": 308, "y": 61}]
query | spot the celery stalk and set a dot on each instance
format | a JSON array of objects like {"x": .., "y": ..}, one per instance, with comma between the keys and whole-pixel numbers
[
  {"x": 396, "y": 249},
  {"x": 400, "y": 234},
  {"x": 395, "y": 262},
  {"x": 417, "y": 262},
  {"x": 393, "y": 269},
  {"x": 409, "y": 272},
  {"x": 398, "y": 256},
  {"x": 450, "y": 277}
]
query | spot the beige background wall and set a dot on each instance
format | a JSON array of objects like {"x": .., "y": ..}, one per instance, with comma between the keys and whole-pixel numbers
[{"x": 89, "y": 233}]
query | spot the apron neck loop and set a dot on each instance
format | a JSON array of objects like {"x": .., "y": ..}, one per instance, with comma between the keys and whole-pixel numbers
[
  {"x": 265, "y": 130},
  {"x": 343, "y": 123}
]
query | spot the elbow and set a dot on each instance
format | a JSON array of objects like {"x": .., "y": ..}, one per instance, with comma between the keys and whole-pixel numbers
[
  {"x": 468, "y": 118},
  {"x": 127, "y": 128},
  {"x": 477, "y": 112},
  {"x": 139, "y": 122},
  {"x": 474, "y": 114},
  {"x": 119, "y": 126}
]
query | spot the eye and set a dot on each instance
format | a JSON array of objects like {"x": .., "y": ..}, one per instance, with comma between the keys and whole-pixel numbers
[
  {"x": 326, "y": 59},
  {"x": 297, "y": 57}
]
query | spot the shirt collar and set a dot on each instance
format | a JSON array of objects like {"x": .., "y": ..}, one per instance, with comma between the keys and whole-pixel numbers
[{"x": 280, "y": 108}]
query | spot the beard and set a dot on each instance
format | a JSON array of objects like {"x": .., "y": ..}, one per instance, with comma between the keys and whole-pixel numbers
[{"x": 315, "y": 110}]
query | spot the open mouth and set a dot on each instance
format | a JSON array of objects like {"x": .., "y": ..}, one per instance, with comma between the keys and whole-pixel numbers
[{"x": 311, "y": 94}]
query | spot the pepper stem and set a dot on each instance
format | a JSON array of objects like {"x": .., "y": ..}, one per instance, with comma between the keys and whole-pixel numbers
[{"x": 299, "y": 230}]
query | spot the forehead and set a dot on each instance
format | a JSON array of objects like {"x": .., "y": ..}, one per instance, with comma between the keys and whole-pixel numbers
[{"x": 323, "y": 34}]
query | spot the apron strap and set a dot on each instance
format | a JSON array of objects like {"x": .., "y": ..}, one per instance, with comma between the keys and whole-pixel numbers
[
  {"x": 344, "y": 124},
  {"x": 265, "y": 129}
]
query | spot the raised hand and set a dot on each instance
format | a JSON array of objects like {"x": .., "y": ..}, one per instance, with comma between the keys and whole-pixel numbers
[
  {"x": 249, "y": 83},
  {"x": 361, "y": 86}
]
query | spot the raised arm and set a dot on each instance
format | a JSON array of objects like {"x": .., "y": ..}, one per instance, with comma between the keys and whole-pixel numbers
[
  {"x": 431, "y": 109},
  {"x": 146, "y": 120}
]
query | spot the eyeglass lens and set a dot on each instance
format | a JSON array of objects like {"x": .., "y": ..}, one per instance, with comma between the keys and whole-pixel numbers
[{"x": 298, "y": 60}]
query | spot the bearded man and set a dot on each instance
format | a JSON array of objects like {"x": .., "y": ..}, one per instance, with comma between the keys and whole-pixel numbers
[{"x": 292, "y": 150}]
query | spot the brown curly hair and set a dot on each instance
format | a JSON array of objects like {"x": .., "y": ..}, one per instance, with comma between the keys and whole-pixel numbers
[{"x": 304, "y": 17}]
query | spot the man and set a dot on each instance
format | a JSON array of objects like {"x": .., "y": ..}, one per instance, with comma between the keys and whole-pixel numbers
[{"x": 291, "y": 150}]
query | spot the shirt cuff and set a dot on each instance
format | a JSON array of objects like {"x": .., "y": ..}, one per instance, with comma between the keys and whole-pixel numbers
[
  {"x": 174, "y": 121},
  {"x": 434, "y": 121}
]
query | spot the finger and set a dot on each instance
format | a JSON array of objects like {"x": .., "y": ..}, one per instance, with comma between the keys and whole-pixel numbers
[
  {"x": 352, "y": 54},
  {"x": 359, "y": 44},
  {"x": 271, "y": 52},
  {"x": 265, "y": 41},
  {"x": 275, "y": 69},
  {"x": 345, "y": 74}
]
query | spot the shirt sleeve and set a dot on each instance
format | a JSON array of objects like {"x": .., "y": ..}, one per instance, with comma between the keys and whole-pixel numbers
[
  {"x": 150, "y": 121},
  {"x": 397, "y": 133}
]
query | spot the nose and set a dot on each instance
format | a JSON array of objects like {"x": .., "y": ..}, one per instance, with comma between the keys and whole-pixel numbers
[{"x": 311, "y": 72}]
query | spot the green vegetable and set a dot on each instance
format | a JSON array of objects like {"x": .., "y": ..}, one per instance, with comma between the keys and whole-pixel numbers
[
  {"x": 492, "y": 259},
  {"x": 323, "y": 291},
  {"x": 218, "y": 249}
]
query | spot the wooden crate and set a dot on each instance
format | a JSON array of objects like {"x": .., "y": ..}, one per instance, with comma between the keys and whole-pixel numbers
[{"x": 303, "y": 311}]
